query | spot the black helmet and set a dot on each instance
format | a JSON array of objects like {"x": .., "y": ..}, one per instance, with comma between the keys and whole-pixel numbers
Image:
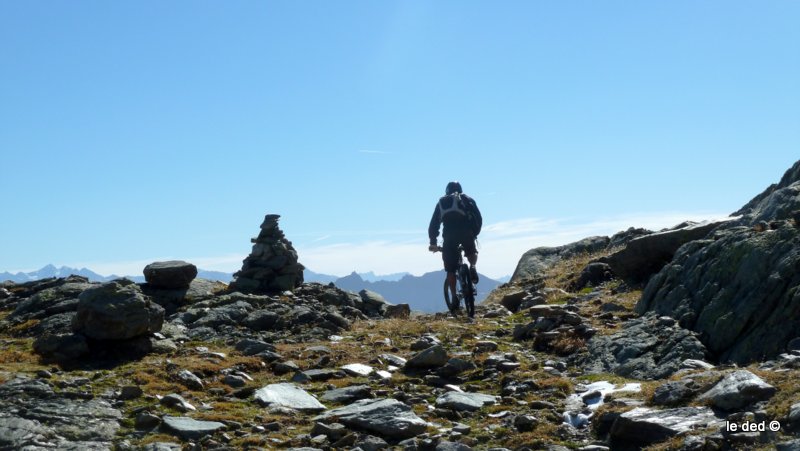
[{"x": 453, "y": 187}]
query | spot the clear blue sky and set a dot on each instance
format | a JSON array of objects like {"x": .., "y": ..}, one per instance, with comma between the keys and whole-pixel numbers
[{"x": 136, "y": 131}]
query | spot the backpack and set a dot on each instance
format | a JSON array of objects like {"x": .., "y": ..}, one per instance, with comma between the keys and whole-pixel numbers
[{"x": 462, "y": 206}]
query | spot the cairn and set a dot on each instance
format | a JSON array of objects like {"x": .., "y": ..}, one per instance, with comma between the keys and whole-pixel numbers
[{"x": 272, "y": 265}]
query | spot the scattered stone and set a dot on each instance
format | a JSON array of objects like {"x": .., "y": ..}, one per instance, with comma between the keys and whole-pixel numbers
[
  {"x": 513, "y": 300},
  {"x": 170, "y": 275},
  {"x": 389, "y": 418},
  {"x": 288, "y": 395},
  {"x": 393, "y": 359},
  {"x": 147, "y": 421},
  {"x": 190, "y": 380},
  {"x": 129, "y": 392},
  {"x": 485, "y": 346},
  {"x": 316, "y": 375},
  {"x": 190, "y": 429},
  {"x": 347, "y": 394},
  {"x": 424, "y": 342},
  {"x": 177, "y": 402},
  {"x": 673, "y": 393},
  {"x": 738, "y": 389},
  {"x": 465, "y": 401},
  {"x": 397, "y": 311},
  {"x": 694, "y": 364},
  {"x": 234, "y": 381},
  {"x": 432, "y": 357},
  {"x": 525, "y": 423},
  {"x": 252, "y": 347},
  {"x": 357, "y": 369}
]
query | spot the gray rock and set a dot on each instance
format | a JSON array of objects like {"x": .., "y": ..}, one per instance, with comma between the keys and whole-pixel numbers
[
  {"x": 261, "y": 320},
  {"x": 177, "y": 402},
  {"x": 647, "y": 254},
  {"x": 373, "y": 298},
  {"x": 392, "y": 359},
  {"x": 347, "y": 394},
  {"x": 433, "y": 357},
  {"x": 513, "y": 300},
  {"x": 190, "y": 380},
  {"x": 147, "y": 421},
  {"x": 61, "y": 348},
  {"x": 424, "y": 342},
  {"x": 452, "y": 446},
  {"x": 738, "y": 389},
  {"x": 593, "y": 275},
  {"x": 673, "y": 393},
  {"x": 234, "y": 381},
  {"x": 316, "y": 375},
  {"x": 464, "y": 401},
  {"x": 116, "y": 311},
  {"x": 641, "y": 350},
  {"x": 534, "y": 262},
  {"x": 189, "y": 428},
  {"x": 170, "y": 274},
  {"x": 397, "y": 311},
  {"x": 253, "y": 347},
  {"x": 358, "y": 369},
  {"x": 288, "y": 395},
  {"x": 792, "y": 445},
  {"x": 485, "y": 346},
  {"x": 738, "y": 292},
  {"x": 33, "y": 415},
  {"x": 129, "y": 392},
  {"x": 388, "y": 418},
  {"x": 161, "y": 446},
  {"x": 794, "y": 416},
  {"x": 643, "y": 426}
]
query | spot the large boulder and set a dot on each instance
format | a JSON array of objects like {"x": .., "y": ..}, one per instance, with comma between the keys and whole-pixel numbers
[
  {"x": 534, "y": 262},
  {"x": 171, "y": 274},
  {"x": 647, "y": 254},
  {"x": 116, "y": 311}
]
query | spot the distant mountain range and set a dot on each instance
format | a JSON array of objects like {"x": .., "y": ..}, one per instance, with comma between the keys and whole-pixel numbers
[
  {"x": 423, "y": 293},
  {"x": 64, "y": 271}
]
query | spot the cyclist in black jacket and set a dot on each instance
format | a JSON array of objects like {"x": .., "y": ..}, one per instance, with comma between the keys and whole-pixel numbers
[{"x": 462, "y": 223}]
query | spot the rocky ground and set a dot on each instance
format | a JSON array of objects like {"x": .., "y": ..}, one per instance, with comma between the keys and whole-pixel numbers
[
  {"x": 683, "y": 339},
  {"x": 540, "y": 368}
]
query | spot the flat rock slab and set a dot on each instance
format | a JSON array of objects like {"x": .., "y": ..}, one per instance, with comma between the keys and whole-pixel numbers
[
  {"x": 357, "y": 369},
  {"x": 388, "y": 418},
  {"x": 189, "y": 428},
  {"x": 288, "y": 395},
  {"x": 170, "y": 274},
  {"x": 642, "y": 426},
  {"x": 31, "y": 414},
  {"x": 737, "y": 390},
  {"x": 465, "y": 401},
  {"x": 316, "y": 375},
  {"x": 347, "y": 394}
]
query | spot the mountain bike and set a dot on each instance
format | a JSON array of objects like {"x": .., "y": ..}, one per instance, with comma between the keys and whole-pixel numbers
[{"x": 465, "y": 289}]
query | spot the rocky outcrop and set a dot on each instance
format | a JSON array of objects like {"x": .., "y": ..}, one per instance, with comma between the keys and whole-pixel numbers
[
  {"x": 737, "y": 390},
  {"x": 536, "y": 261},
  {"x": 739, "y": 288},
  {"x": 33, "y": 416},
  {"x": 739, "y": 292},
  {"x": 646, "y": 348},
  {"x": 170, "y": 275},
  {"x": 646, "y": 255},
  {"x": 272, "y": 265},
  {"x": 644, "y": 426}
]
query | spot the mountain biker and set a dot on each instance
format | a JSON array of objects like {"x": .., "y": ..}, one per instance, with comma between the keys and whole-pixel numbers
[{"x": 461, "y": 221}]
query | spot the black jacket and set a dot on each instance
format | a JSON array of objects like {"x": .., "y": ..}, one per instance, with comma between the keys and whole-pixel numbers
[{"x": 455, "y": 222}]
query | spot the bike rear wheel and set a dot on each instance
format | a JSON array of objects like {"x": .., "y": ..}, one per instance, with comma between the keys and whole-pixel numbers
[{"x": 451, "y": 303}]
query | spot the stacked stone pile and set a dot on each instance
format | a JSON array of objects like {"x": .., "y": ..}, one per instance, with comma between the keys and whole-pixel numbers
[{"x": 272, "y": 265}]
